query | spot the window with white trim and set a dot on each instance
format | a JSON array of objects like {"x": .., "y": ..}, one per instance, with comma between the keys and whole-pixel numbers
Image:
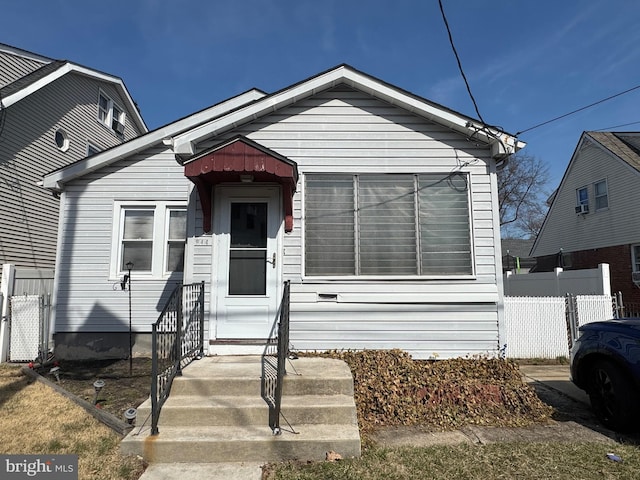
[
  {"x": 601, "y": 195},
  {"x": 635, "y": 253},
  {"x": 92, "y": 149},
  {"x": 582, "y": 196},
  {"x": 152, "y": 236},
  {"x": 110, "y": 114},
  {"x": 387, "y": 225}
]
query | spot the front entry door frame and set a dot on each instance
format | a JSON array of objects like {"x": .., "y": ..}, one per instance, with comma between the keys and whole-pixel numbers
[{"x": 245, "y": 317}]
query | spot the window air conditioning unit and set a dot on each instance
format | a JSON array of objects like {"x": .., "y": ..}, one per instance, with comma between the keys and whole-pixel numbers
[
  {"x": 582, "y": 209},
  {"x": 118, "y": 127},
  {"x": 635, "y": 276}
]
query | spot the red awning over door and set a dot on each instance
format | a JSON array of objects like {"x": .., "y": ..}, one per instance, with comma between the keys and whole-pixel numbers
[{"x": 242, "y": 160}]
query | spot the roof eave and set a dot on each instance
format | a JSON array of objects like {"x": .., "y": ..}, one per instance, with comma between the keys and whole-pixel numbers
[
  {"x": 70, "y": 67},
  {"x": 502, "y": 144}
]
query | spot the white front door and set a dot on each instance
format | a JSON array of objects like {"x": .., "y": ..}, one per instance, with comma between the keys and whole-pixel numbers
[{"x": 247, "y": 264}]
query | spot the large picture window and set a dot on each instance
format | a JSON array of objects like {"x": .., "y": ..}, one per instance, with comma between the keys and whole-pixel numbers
[{"x": 387, "y": 225}]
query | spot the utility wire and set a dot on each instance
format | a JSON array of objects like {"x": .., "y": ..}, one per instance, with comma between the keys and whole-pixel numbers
[
  {"x": 616, "y": 126},
  {"x": 579, "y": 110},
  {"x": 455, "y": 52}
]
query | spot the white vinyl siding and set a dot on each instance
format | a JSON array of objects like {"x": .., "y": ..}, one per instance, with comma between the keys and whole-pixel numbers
[
  {"x": 28, "y": 212},
  {"x": 87, "y": 277},
  {"x": 14, "y": 67},
  {"x": 344, "y": 131}
]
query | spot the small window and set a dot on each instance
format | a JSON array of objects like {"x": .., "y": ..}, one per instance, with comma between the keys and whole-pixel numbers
[
  {"x": 62, "y": 140},
  {"x": 583, "y": 196},
  {"x": 110, "y": 114},
  {"x": 92, "y": 150},
  {"x": 635, "y": 253},
  {"x": 176, "y": 237},
  {"x": 137, "y": 240},
  {"x": 601, "y": 195}
]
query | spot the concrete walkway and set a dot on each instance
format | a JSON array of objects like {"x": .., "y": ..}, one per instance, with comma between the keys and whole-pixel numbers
[{"x": 556, "y": 377}]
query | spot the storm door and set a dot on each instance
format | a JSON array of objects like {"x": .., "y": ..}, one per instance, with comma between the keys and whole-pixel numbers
[{"x": 247, "y": 268}]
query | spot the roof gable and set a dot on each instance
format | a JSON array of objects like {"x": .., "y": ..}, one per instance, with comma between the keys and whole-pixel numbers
[
  {"x": 613, "y": 147},
  {"x": 182, "y": 135},
  {"x": 51, "y": 71},
  {"x": 502, "y": 144}
]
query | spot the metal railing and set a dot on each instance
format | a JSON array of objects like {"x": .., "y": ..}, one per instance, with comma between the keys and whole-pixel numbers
[
  {"x": 274, "y": 362},
  {"x": 178, "y": 338}
]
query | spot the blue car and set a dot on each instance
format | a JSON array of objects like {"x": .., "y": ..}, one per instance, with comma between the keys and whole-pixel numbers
[{"x": 605, "y": 362}]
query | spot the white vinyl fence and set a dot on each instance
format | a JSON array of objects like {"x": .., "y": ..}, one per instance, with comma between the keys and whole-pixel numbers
[{"x": 536, "y": 327}]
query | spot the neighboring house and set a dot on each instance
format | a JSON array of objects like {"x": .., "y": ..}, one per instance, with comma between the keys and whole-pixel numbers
[
  {"x": 377, "y": 205},
  {"x": 594, "y": 217},
  {"x": 52, "y": 113},
  {"x": 515, "y": 255}
]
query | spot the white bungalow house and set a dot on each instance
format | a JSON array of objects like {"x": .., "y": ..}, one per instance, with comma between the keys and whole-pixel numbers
[{"x": 379, "y": 206}]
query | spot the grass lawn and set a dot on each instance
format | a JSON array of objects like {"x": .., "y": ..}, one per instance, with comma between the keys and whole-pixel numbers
[
  {"x": 35, "y": 419},
  {"x": 550, "y": 461}
]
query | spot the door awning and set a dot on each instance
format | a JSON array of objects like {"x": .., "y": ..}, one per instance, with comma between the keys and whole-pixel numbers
[{"x": 242, "y": 160}]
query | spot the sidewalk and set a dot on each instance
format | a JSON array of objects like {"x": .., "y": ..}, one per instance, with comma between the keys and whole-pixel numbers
[{"x": 556, "y": 377}]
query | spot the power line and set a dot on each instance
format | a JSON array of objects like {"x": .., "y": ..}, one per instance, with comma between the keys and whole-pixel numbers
[
  {"x": 616, "y": 126},
  {"x": 579, "y": 110},
  {"x": 455, "y": 52}
]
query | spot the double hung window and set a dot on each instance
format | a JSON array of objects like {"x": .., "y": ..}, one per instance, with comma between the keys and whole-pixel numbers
[
  {"x": 151, "y": 236},
  {"x": 387, "y": 225},
  {"x": 601, "y": 195},
  {"x": 110, "y": 114}
]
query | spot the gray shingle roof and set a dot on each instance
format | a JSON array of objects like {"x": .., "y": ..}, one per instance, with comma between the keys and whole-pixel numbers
[
  {"x": 31, "y": 78},
  {"x": 616, "y": 145}
]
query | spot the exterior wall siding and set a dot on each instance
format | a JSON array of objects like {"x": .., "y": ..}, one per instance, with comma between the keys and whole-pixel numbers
[
  {"x": 28, "y": 213},
  {"x": 13, "y": 67},
  {"x": 351, "y": 132},
  {"x": 340, "y": 131},
  {"x": 88, "y": 298}
]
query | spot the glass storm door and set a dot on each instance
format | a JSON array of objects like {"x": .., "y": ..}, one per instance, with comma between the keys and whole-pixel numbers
[{"x": 247, "y": 264}]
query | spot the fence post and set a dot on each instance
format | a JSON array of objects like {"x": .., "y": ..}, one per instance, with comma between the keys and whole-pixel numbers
[{"x": 572, "y": 319}]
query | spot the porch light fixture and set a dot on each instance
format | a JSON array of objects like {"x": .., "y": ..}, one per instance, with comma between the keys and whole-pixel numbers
[
  {"x": 246, "y": 178},
  {"x": 97, "y": 386}
]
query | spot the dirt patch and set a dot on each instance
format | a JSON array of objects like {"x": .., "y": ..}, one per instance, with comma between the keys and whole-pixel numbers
[{"x": 123, "y": 388}]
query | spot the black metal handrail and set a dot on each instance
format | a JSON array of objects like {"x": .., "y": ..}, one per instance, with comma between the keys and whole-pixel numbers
[
  {"x": 177, "y": 339},
  {"x": 274, "y": 362}
]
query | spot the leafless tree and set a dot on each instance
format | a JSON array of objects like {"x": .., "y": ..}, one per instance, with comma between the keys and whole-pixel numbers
[{"x": 522, "y": 194}]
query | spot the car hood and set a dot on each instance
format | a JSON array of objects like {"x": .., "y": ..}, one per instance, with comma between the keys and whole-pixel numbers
[{"x": 628, "y": 326}]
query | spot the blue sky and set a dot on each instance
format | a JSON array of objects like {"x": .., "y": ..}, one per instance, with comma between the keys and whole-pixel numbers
[{"x": 526, "y": 61}]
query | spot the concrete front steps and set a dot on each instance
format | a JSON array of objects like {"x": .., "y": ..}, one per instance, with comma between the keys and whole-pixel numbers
[{"x": 215, "y": 413}]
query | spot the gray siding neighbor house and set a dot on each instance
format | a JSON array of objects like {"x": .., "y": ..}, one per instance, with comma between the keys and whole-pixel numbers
[
  {"x": 594, "y": 217},
  {"x": 52, "y": 113},
  {"x": 377, "y": 205}
]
